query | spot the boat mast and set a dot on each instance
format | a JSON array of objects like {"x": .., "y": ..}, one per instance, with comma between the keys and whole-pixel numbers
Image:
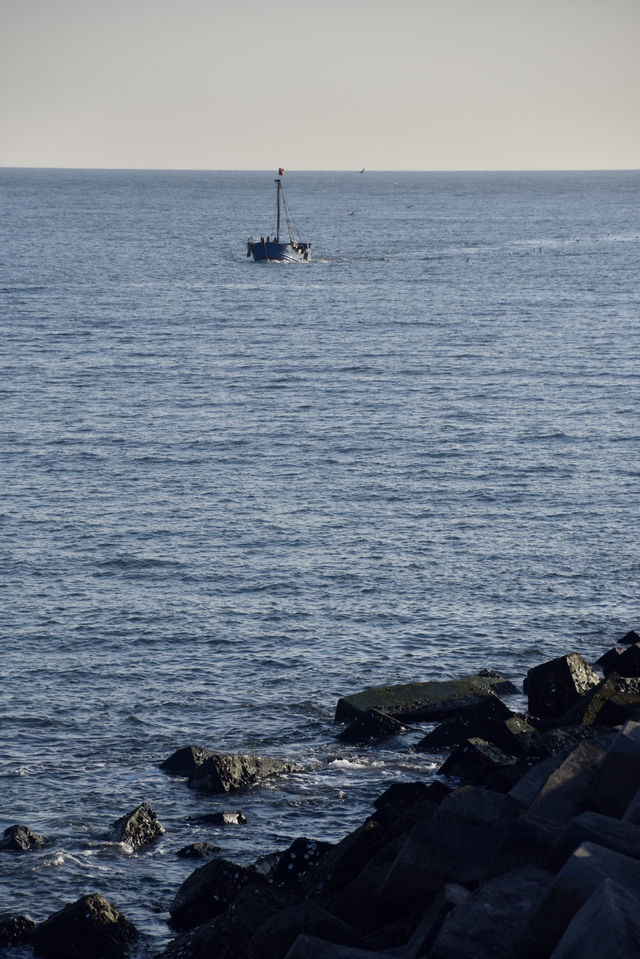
[{"x": 279, "y": 187}]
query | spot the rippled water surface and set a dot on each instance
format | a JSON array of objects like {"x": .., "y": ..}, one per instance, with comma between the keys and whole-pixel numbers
[{"x": 233, "y": 492}]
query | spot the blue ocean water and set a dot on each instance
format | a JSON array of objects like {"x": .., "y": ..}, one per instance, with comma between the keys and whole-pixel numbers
[{"x": 233, "y": 492}]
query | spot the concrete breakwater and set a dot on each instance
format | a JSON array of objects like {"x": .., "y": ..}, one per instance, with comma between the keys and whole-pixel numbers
[{"x": 526, "y": 843}]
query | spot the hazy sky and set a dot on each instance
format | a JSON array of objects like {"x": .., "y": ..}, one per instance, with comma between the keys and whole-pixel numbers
[{"x": 334, "y": 84}]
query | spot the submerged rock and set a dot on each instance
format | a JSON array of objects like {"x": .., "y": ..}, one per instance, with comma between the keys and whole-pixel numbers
[
  {"x": 21, "y": 839},
  {"x": 138, "y": 827},
  {"x": 223, "y": 773},
  {"x": 185, "y": 760},
  {"x": 198, "y": 850},
  {"x": 90, "y": 928},
  {"x": 422, "y": 701}
]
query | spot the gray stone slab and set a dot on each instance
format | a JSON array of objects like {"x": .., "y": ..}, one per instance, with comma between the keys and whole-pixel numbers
[
  {"x": 578, "y": 879},
  {"x": 606, "y": 926},
  {"x": 566, "y": 792},
  {"x": 618, "y": 777},
  {"x": 593, "y": 827}
]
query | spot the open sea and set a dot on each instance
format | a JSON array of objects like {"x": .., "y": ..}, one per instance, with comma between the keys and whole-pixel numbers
[{"x": 234, "y": 492}]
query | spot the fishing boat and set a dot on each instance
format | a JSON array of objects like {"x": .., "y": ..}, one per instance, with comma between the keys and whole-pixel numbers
[{"x": 291, "y": 250}]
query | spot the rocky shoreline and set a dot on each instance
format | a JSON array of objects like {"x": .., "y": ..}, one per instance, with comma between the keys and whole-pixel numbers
[{"x": 526, "y": 843}]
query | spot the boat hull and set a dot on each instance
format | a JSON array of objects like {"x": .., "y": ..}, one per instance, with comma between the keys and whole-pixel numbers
[{"x": 285, "y": 252}]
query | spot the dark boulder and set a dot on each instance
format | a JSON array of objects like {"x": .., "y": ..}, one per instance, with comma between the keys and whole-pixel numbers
[
  {"x": 137, "y": 828},
  {"x": 436, "y": 853},
  {"x": 481, "y": 763},
  {"x": 224, "y": 773},
  {"x": 185, "y": 760},
  {"x": 628, "y": 662},
  {"x": 276, "y": 936},
  {"x": 607, "y": 662},
  {"x": 476, "y": 805},
  {"x": 553, "y": 687},
  {"x": 344, "y": 861},
  {"x": 207, "y": 893},
  {"x": 424, "y": 934},
  {"x": 628, "y": 638},
  {"x": 431, "y": 701},
  {"x": 15, "y": 931},
  {"x": 405, "y": 793},
  {"x": 371, "y": 726},
  {"x": 489, "y": 720},
  {"x": 90, "y": 928},
  {"x": 491, "y": 923},
  {"x": 312, "y": 947},
  {"x": 198, "y": 850},
  {"x": 21, "y": 839}
]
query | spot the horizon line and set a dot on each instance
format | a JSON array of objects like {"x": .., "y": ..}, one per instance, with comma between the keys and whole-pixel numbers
[{"x": 363, "y": 170}]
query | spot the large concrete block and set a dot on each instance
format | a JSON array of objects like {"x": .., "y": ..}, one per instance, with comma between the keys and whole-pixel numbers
[
  {"x": 617, "y": 778},
  {"x": 576, "y": 882},
  {"x": 606, "y": 927}
]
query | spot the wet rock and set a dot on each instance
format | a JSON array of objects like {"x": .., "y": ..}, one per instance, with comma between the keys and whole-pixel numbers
[
  {"x": 21, "y": 839},
  {"x": 422, "y": 701},
  {"x": 371, "y": 726},
  {"x": 549, "y": 742},
  {"x": 512, "y": 735},
  {"x": 576, "y": 882},
  {"x": 553, "y": 687},
  {"x": 344, "y": 861},
  {"x": 185, "y": 760},
  {"x": 224, "y": 773},
  {"x": 491, "y": 923},
  {"x": 90, "y": 928},
  {"x": 224, "y": 818},
  {"x": 198, "y": 850},
  {"x": 137, "y": 828},
  {"x": 630, "y": 637},
  {"x": 468, "y": 722},
  {"x": 15, "y": 931},
  {"x": 478, "y": 762},
  {"x": 302, "y": 856},
  {"x": 406, "y": 793},
  {"x": 615, "y": 700},
  {"x": 207, "y": 893},
  {"x": 607, "y": 925},
  {"x": 617, "y": 778}
]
